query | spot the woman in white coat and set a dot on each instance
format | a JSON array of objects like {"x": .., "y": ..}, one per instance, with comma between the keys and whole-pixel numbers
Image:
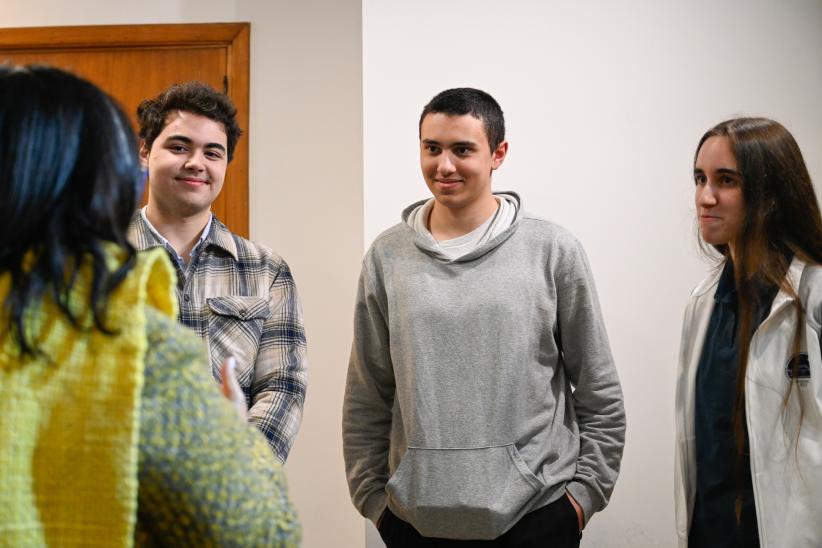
[{"x": 749, "y": 396}]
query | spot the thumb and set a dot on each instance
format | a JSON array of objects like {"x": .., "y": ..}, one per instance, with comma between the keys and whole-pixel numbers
[{"x": 231, "y": 387}]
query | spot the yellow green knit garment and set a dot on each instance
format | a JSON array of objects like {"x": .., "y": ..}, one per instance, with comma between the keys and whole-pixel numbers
[{"x": 69, "y": 422}]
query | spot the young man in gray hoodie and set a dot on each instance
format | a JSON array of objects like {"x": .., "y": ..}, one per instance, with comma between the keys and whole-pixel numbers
[{"x": 482, "y": 401}]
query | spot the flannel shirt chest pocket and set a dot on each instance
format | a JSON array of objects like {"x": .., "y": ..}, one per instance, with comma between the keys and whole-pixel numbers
[{"x": 235, "y": 327}]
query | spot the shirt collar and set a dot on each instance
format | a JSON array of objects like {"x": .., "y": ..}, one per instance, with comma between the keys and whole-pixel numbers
[
  {"x": 726, "y": 290},
  {"x": 215, "y": 233},
  {"x": 222, "y": 237},
  {"x": 164, "y": 242}
]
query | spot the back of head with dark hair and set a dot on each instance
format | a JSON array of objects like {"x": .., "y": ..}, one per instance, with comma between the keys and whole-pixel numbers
[
  {"x": 69, "y": 180},
  {"x": 477, "y": 103},
  {"x": 195, "y": 97}
]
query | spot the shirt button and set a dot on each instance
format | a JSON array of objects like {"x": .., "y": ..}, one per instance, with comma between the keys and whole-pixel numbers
[{"x": 186, "y": 298}]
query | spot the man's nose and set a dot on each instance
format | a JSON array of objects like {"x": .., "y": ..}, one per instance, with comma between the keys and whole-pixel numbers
[
  {"x": 195, "y": 161},
  {"x": 445, "y": 164}
]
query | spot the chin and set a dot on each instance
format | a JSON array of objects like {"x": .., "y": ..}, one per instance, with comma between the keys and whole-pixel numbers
[
  {"x": 715, "y": 241},
  {"x": 449, "y": 201}
]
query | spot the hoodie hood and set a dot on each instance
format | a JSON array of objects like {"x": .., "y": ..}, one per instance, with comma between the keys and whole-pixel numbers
[{"x": 507, "y": 219}]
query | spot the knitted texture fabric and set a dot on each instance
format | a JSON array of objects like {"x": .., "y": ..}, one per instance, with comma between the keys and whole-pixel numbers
[
  {"x": 69, "y": 413},
  {"x": 207, "y": 479}
]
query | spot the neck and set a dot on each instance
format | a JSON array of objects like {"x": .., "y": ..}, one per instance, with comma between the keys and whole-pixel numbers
[
  {"x": 446, "y": 223},
  {"x": 181, "y": 232}
]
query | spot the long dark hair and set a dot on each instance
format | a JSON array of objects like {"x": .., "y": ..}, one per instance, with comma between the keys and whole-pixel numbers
[
  {"x": 782, "y": 219},
  {"x": 69, "y": 178}
]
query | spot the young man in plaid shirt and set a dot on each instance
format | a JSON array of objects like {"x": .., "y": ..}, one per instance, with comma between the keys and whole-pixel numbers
[{"x": 236, "y": 294}]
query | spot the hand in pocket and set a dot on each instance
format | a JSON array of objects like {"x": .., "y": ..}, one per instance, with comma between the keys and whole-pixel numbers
[{"x": 577, "y": 509}]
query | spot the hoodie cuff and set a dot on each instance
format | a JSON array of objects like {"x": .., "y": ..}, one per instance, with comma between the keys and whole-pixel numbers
[
  {"x": 584, "y": 498},
  {"x": 374, "y": 506}
]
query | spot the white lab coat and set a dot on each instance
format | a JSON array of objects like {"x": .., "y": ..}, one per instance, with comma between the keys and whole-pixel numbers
[{"x": 786, "y": 467}]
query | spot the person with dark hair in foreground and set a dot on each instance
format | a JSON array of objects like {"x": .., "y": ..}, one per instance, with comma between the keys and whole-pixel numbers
[
  {"x": 749, "y": 389},
  {"x": 482, "y": 401},
  {"x": 111, "y": 430},
  {"x": 237, "y": 295}
]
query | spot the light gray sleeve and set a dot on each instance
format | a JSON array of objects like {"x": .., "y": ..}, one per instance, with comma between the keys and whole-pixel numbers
[
  {"x": 369, "y": 397},
  {"x": 597, "y": 398}
]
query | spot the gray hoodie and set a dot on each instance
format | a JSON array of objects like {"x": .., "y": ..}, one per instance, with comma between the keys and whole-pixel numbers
[{"x": 480, "y": 388}]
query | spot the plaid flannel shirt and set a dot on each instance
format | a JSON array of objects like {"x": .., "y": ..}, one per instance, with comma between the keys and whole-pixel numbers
[{"x": 240, "y": 298}]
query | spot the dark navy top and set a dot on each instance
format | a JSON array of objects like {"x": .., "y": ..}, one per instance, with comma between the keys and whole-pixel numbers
[{"x": 720, "y": 476}]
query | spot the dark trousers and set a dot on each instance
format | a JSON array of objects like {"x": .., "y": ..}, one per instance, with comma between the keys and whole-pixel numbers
[{"x": 552, "y": 526}]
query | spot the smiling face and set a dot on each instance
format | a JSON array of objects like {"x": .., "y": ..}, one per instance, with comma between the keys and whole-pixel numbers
[
  {"x": 720, "y": 204},
  {"x": 186, "y": 166},
  {"x": 457, "y": 161}
]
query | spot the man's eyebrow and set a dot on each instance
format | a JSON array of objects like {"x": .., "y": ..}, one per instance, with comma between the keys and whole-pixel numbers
[
  {"x": 188, "y": 141},
  {"x": 181, "y": 138},
  {"x": 215, "y": 145},
  {"x": 471, "y": 144}
]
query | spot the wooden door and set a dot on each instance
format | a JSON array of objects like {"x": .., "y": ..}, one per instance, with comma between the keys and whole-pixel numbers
[{"x": 135, "y": 62}]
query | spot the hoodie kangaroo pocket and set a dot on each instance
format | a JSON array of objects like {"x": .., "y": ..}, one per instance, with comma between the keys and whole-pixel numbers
[{"x": 462, "y": 493}]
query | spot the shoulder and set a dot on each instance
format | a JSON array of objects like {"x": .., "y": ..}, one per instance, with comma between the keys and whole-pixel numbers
[
  {"x": 251, "y": 257},
  {"x": 709, "y": 282},
  {"x": 139, "y": 234},
  {"x": 389, "y": 242},
  {"x": 391, "y": 247},
  {"x": 163, "y": 330},
  {"x": 812, "y": 277},
  {"x": 533, "y": 226},
  {"x": 175, "y": 368},
  {"x": 557, "y": 246},
  {"x": 810, "y": 288},
  {"x": 171, "y": 348},
  {"x": 255, "y": 252},
  {"x": 400, "y": 233}
]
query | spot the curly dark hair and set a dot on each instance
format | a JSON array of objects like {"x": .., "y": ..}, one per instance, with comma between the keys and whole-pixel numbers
[{"x": 196, "y": 97}]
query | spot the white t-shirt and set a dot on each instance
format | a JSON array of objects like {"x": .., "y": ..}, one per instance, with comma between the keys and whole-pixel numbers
[{"x": 462, "y": 245}]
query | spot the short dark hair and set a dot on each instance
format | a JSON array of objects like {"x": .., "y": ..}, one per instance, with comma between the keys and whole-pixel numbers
[
  {"x": 477, "y": 103},
  {"x": 195, "y": 97},
  {"x": 69, "y": 180}
]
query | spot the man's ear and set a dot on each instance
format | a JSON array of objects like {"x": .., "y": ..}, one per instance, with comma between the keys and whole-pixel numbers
[
  {"x": 144, "y": 154},
  {"x": 499, "y": 154}
]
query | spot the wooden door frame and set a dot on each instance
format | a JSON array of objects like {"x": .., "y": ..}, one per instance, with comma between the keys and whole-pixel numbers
[{"x": 234, "y": 36}]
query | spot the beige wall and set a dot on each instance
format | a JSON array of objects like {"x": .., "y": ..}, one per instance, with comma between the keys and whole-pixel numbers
[
  {"x": 306, "y": 199},
  {"x": 305, "y": 189}
]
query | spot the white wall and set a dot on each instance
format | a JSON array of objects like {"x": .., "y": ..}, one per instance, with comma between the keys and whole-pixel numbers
[
  {"x": 305, "y": 194},
  {"x": 605, "y": 102}
]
